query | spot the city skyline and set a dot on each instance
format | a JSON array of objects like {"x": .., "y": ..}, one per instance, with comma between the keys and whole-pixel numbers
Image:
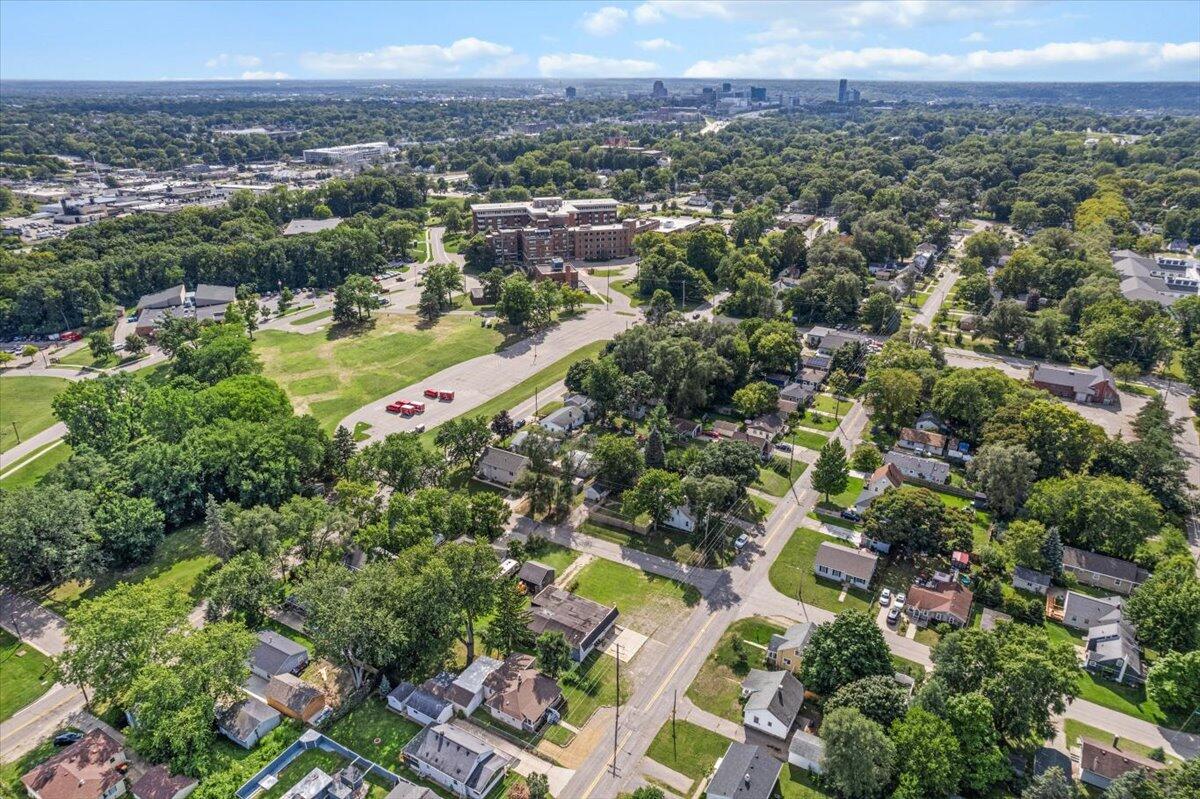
[{"x": 1007, "y": 40}]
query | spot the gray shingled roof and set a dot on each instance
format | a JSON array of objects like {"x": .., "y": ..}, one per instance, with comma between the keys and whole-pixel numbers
[
  {"x": 1031, "y": 575},
  {"x": 776, "y": 692},
  {"x": 243, "y": 717},
  {"x": 457, "y": 754},
  {"x": 854, "y": 562},
  {"x": 746, "y": 772},
  {"x": 808, "y": 746},
  {"x": 273, "y": 650},
  {"x": 211, "y": 294},
  {"x": 797, "y": 635},
  {"x": 1074, "y": 558}
]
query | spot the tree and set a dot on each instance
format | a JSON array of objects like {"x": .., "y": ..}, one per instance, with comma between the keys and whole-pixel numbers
[
  {"x": 661, "y": 305},
  {"x": 755, "y": 399},
  {"x": 101, "y": 345},
  {"x": 286, "y": 297},
  {"x": 1050, "y": 784},
  {"x": 1006, "y": 322},
  {"x": 402, "y": 462},
  {"x": 135, "y": 345},
  {"x": 1024, "y": 541},
  {"x": 538, "y": 481},
  {"x": 1173, "y": 682},
  {"x": 243, "y": 587},
  {"x": 617, "y": 460},
  {"x": 657, "y": 493},
  {"x": 463, "y": 438},
  {"x": 101, "y": 414},
  {"x": 983, "y": 762},
  {"x": 736, "y": 460},
  {"x": 441, "y": 281},
  {"x": 342, "y": 449},
  {"x": 928, "y": 758},
  {"x": 478, "y": 255},
  {"x": 220, "y": 352},
  {"x": 553, "y": 654},
  {"x": 46, "y": 535},
  {"x": 539, "y": 786},
  {"x": 355, "y": 299},
  {"x": 517, "y": 300},
  {"x": 502, "y": 425},
  {"x": 879, "y": 698},
  {"x": 508, "y": 630},
  {"x": 775, "y": 347},
  {"x": 572, "y": 299},
  {"x": 655, "y": 453},
  {"x": 1062, "y": 439},
  {"x": 911, "y": 519},
  {"x": 1101, "y": 514},
  {"x": 473, "y": 570},
  {"x": 859, "y": 757},
  {"x": 1166, "y": 608},
  {"x": 1004, "y": 472},
  {"x": 866, "y": 458},
  {"x": 1052, "y": 553},
  {"x": 831, "y": 472},
  {"x": 844, "y": 650},
  {"x": 985, "y": 245},
  {"x": 129, "y": 528},
  {"x": 112, "y": 637},
  {"x": 975, "y": 291},
  {"x": 878, "y": 312},
  {"x": 895, "y": 396},
  {"x": 489, "y": 515}
]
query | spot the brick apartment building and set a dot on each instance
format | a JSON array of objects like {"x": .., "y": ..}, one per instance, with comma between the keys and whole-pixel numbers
[{"x": 545, "y": 228}]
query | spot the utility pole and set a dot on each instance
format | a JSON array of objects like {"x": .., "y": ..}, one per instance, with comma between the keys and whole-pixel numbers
[
  {"x": 16, "y": 432},
  {"x": 674, "y": 702},
  {"x": 800, "y": 598},
  {"x": 617, "y": 717}
]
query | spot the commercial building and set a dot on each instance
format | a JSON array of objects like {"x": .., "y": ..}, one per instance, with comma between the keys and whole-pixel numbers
[
  {"x": 545, "y": 228},
  {"x": 1095, "y": 386},
  {"x": 1161, "y": 279},
  {"x": 349, "y": 154}
]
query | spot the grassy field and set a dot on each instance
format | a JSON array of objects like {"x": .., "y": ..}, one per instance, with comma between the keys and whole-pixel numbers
[
  {"x": 662, "y": 542},
  {"x": 1073, "y": 729},
  {"x": 314, "y": 317},
  {"x": 692, "y": 751},
  {"x": 330, "y": 375},
  {"x": 555, "y": 556},
  {"x": 823, "y": 422},
  {"x": 591, "y": 685},
  {"x": 524, "y": 390},
  {"x": 31, "y": 470},
  {"x": 839, "y": 502},
  {"x": 646, "y": 601},
  {"x": 371, "y": 720},
  {"x": 1124, "y": 699},
  {"x": 982, "y": 521},
  {"x": 717, "y": 688},
  {"x": 796, "y": 783},
  {"x": 792, "y": 574},
  {"x": 774, "y": 483},
  {"x": 910, "y": 667},
  {"x": 178, "y": 564},
  {"x": 809, "y": 439},
  {"x": 25, "y": 674},
  {"x": 827, "y": 403},
  {"x": 25, "y": 403}
]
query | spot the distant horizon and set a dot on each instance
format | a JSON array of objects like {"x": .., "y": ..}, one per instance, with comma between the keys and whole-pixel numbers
[{"x": 569, "y": 81}]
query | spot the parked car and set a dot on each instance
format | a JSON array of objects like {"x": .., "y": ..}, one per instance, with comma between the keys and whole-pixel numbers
[
  {"x": 517, "y": 425},
  {"x": 893, "y": 615},
  {"x": 885, "y": 598},
  {"x": 67, "y": 738},
  {"x": 900, "y": 599},
  {"x": 419, "y": 428},
  {"x": 782, "y": 447},
  {"x": 851, "y": 514},
  {"x": 741, "y": 541},
  {"x": 396, "y": 407}
]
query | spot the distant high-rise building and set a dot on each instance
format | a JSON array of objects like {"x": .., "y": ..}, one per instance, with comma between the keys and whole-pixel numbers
[
  {"x": 726, "y": 87},
  {"x": 659, "y": 89},
  {"x": 853, "y": 96},
  {"x": 842, "y": 90},
  {"x": 758, "y": 94},
  {"x": 570, "y": 92}
]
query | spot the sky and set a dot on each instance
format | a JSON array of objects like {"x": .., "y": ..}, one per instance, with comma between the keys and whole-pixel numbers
[{"x": 1005, "y": 40}]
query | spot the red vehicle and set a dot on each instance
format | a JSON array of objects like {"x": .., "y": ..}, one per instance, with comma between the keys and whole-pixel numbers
[
  {"x": 446, "y": 396},
  {"x": 71, "y": 335},
  {"x": 397, "y": 406},
  {"x": 408, "y": 410},
  {"x": 432, "y": 393},
  {"x": 418, "y": 407}
]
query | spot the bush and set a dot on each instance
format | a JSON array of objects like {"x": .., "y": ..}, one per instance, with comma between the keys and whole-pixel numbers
[{"x": 683, "y": 553}]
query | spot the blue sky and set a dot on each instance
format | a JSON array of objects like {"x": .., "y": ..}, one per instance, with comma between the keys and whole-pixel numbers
[{"x": 912, "y": 39}]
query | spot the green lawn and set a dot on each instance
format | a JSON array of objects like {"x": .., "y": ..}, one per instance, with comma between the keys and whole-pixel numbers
[
  {"x": 1073, "y": 729},
  {"x": 832, "y": 518},
  {"x": 792, "y": 574},
  {"x": 764, "y": 505},
  {"x": 359, "y": 728},
  {"x": 613, "y": 272},
  {"x": 178, "y": 564},
  {"x": 39, "y": 463},
  {"x": 982, "y": 521},
  {"x": 827, "y": 403},
  {"x": 839, "y": 502},
  {"x": 25, "y": 674},
  {"x": 717, "y": 687},
  {"x": 314, "y": 317},
  {"x": 662, "y": 542},
  {"x": 591, "y": 685},
  {"x": 692, "y": 751},
  {"x": 776, "y": 484},
  {"x": 525, "y": 389},
  {"x": 288, "y": 632},
  {"x": 83, "y": 357},
  {"x": 809, "y": 439},
  {"x": 630, "y": 289},
  {"x": 10, "y": 773},
  {"x": 645, "y": 601},
  {"x": 1059, "y": 633},
  {"x": 826, "y": 423},
  {"x": 296, "y": 770},
  {"x": 796, "y": 783},
  {"x": 554, "y": 556},
  {"x": 1124, "y": 699},
  {"x": 909, "y": 667},
  {"x": 330, "y": 375},
  {"x": 25, "y": 402}
]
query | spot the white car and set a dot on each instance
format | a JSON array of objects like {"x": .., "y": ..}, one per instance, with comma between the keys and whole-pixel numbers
[
  {"x": 885, "y": 598},
  {"x": 741, "y": 541},
  {"x": 900, "y": 599}
]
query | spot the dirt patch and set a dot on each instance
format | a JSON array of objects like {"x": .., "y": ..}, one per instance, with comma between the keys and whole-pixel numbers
[{"x": 587, "y": 739}]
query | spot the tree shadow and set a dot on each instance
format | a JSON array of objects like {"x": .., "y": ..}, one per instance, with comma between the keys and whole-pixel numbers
[{"x": 340, "y": 330}]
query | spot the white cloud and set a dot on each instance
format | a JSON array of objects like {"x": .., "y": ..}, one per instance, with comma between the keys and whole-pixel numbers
[
  {"x": 655, "y": 45},
  {"x": 606, "y": 21},
  {"x": 660, "y": 10},
  {"x": 974, "y": 37},
  {"x": 260, "y": 74},
  {"x": 418, "y": 60},
  {"x": 582, "y": 65},
  {"x": 233, "y": 59},
  {"x": 805, "y": 61}
]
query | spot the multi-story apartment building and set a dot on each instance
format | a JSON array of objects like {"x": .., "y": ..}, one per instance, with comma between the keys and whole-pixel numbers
[{"x": 545, "y": 228}]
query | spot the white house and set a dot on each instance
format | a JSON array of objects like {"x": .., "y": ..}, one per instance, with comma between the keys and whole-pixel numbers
[
  {"x": 773, "y": 700},
  {"x": 682, "y": 518},
  {"x": 565, "y": 420},
  {"x": 807, "y": 751},
  {"x": 842, "y": 564},
  {"x": 456, "y": 760}
]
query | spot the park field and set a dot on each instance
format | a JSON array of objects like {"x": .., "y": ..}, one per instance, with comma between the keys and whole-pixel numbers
[{"x": 25, "y": 404}]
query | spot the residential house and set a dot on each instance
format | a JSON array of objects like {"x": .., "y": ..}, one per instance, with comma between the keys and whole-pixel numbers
[
  {"x": 811, "y": 379},
  {"x": 841, "y": 564},
  {"x": 564, "y": 421},
  {"x": 159, "y": 783},
  {"x": 425, "y": 703},
  {"x": 784, "y": 651},
  {"x": 792, "y": 396},
  {"x": 581, "y": 621},
  {"x": 521, "y": 696},
  {"x": 410, "y": 790},
  {"x": 923, "y": 442},
  {"x": 1100, "y": 763},
  {"x": 1112, "y": 651},
  {"x": 916, "y": 467},
  {"x": 469, "y": 688},
  {"x": 768, "y": 425},
  {"x": 1102, "y": 571},
  {"x": 745, "y": 771},
  {"x": 245, "y": 722},
  {"x": 1096, "y": 386},
  {"x": 773, "y": 700},
  {"x": 885, "y": 477},
  {"x": 807, "y": 751},
  {"x": 580, "y": 463},
  {"x": 682, "y": 518},
  {"x": 456, "y": 760},
  {"x": 583, "y": 402},
  {"x": 822, "y": 362},
  {"x": 1031, "y": 580},
  {"x": 501, "y": 467},
  {"x": 948, "y": 601},
  {"x": 686, "y": 429},
  {"x": 535, "y": 576},
  {"x": 723, "y": 428},
  {"x": 90, "y": 768},
  {"x": 835, "y": 340},
  {"x": 1084, "y": 612},
  {"x": 297, "y": 699},
  {"x": 277, "y": 654},
  {"x": 930, "y": 422},
  {"x": 814, "y": 336}
]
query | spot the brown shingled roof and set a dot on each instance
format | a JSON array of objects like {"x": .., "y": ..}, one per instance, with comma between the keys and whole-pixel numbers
[
  {"x": 1110, "y": 762},
  {"x": 951, "y": 598},
  {"x": 84, "y": 770}
]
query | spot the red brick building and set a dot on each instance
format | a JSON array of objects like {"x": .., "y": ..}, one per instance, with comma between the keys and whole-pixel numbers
[{"x": 545, "y": 228}]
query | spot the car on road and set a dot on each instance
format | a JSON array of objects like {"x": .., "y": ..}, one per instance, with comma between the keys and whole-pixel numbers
[
  {"x": 885, "y": 598},
  {"x": 741, "y": 541},
  {"x": 893, "y": 615},
  {"x": 517, "y": 425},
  {"x": 67, "y": 738}
]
